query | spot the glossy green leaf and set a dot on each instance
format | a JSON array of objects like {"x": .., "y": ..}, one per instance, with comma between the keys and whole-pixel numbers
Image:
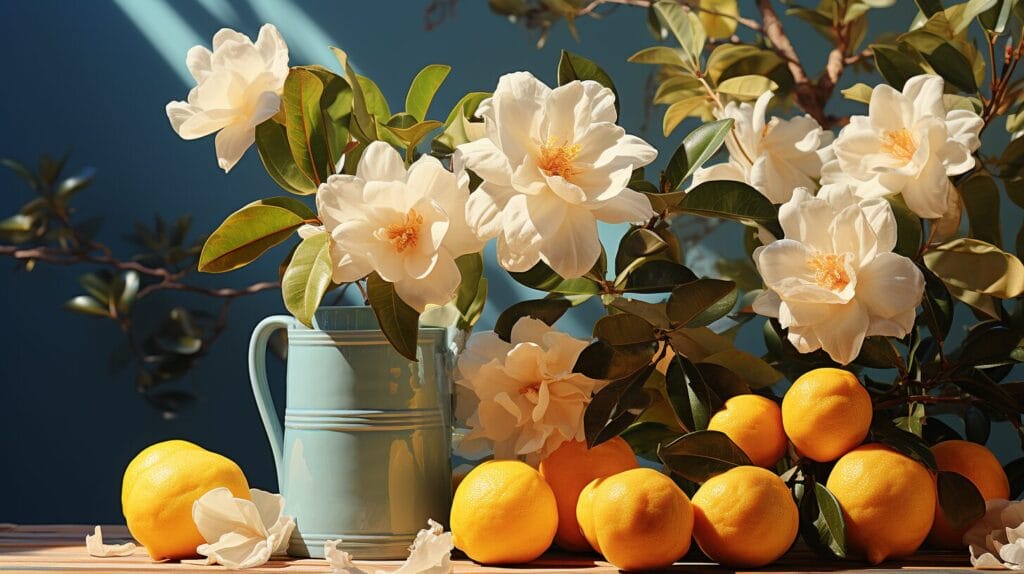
[
  {"x": 411, "y": 135},
  {"x": 273, "y": 146},
  {"x": 959, "y": 499},
  {"x": 307, "y": 277},
  {"x": 546, "y": 310},
  {"x": 903, "y": 442},
  {"x": 730, "y": 200},
  {"x": 859, "y": 92},
  {"x": 624, "y": 329},
  {"x": 751, "y": 369},
  {"x": 821, "y": 521},
  {"x": 472, "y": 293},
  {"x": 646, "y": 437},
  {"x": 701, "y": 455},
  {"x": 908, "y": 227},
  {"x": 698, "y": 146},
  {"x": 953, "y": 66},
  {"x": 748, "y": 87},
  {"x": 573, "y": 67},
  {"x": 896, "y": 63},
  {"x": 879, "y": 353},
  {"x": 681, "y": 110},
  {"x": 615, "y": 407},
  {"x": 658, "y": 276},
  {"x": 398, "y": 321},
  {"x": 686, "y": 27},
  {"x": 653, "y": 313},
  {"x": 543, "y": 278},
  {"x": 637, "y": 243},
  {"x": 424, "y": 86},
  {"x": 599, "y": 360},
  {"x": 691, "y": 299},
  {"x": 977, "y": 266},
  {"x": 981, "y": 197},
  {"x": 86, "y": 305},
  {"x": 458, "y": 129},
  {"x": 304, "y": 124},
  {"x": 249, "y": 232}
]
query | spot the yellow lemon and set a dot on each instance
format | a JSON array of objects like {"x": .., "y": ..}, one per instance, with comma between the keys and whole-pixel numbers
[
  {"x": 637, "y": 519},
  {"x": 503, "y": 513},
  {"x": 159, "y": 488},
  {"x": 754, "y": 423},
  {"x": 977, "y": 464},
  {"x": 745, "y": 517},
  {"x": 148, "y": 457},
  {"x": 888, "y": 501},
  {"x": 573, "y": 466},
  {"x": 826, "y": 413}
]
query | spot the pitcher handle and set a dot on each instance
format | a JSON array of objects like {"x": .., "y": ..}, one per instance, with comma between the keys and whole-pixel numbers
[{"x": 261, "y": 389}]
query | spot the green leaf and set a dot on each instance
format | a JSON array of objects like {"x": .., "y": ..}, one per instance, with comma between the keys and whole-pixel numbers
[
  {"x": 897, "y": 63},
  {"x": 125, "y": 288},
  {"x": 543, "y": 278},
  {"x": 661, "y": 56},
  {"x": 701, "y": 455},
  {"x": 307, "y": 277},
  {"x": 929, "y": 7},
  {"x": 363, "y": 124},
  {"x": 698, "y": 146},
  {"x": 546, "y": 310},
  {"x": 879, "y": 353},
  {"x": 398, "y": 321},
  {"x": 752, "y": 370},
  {"x": 977, "y": 266},
  {"x": 457, "y": 127},
  {"x": 686, "y": 27},
  {"x": 953, "y": 66},
  {"x": 959, "y": 499},
  {"x": 646, "y": 437},
  {"x": 22, "y": 170},
  {"x": 730, "y": 200},
  {"x": 624, "y": 329},
  {"x": 411, "y": 135},
  {"x": 908, "y": 227},
  {"x": 249, "y": 232},
  {"x": 17, "y": 223},
  {"x": 304, "y": 125},
  {"x": 681, "y": 110},
  {"x": 472, "y": 294},
  {"x": 87, "y": 306},
  {"x": 980, "y": 195},
  {"x": 858, "y": 92},
  {"x": 76, "y": 183},
  {"x": 937, "y": 306},
  {"x": 658, "y": 276},
  {"x": 615, "y": 407},
  {"x": 637, "y": 243},
  {"x": 422, "y": 90},
  {"x": 748, "y": 87},
  {"x": 995, "y": 18},
  {"x": 274, "y": 150},
  {"x": 651, "y": 312},
  {"x": 731, "y": 60},
  {"x": 692, "y": 399},
  {"x": 575, "y": 67},
  {"x": 904, "y": 442},
  {"x": 691, "y": 299},
  {"x": 599, "y": 360},
  {"x": 821, "y": 520}
]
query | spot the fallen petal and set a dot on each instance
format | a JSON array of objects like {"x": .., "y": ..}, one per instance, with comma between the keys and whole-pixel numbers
[
  {"x": 430, "y": 553},
  {"x": 94, "y": 544},
  {"x": 339, "y": 560}
]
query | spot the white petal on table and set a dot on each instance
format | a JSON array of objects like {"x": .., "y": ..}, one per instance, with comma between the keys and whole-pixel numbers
[{"x": 94, "y": 544}]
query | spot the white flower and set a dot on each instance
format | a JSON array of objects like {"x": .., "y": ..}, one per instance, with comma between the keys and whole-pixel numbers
[
  {"x": 238, "y": 86},
  {"x": 834, "y": 279},
  {"x": 908, "y": 143},
  {"x": 530, "y": 401},
  {"x": 430, "y": 553},
  {"x": 774, "y": 157},
  {"x": 408, "y": 226},
  {"x": 996, "y": 541},
  {"x": 95, "y": 546},
  {"x": 553, "y": 164},
  {"x": 241, "y": 533}
]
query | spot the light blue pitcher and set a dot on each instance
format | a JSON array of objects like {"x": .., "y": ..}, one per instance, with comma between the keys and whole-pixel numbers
[{"x": 365, "y": 451}]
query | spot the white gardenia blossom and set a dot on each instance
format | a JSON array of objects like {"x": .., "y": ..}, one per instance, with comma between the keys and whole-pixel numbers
[
  {"x": 241, "y": 533},
  {"x": 530, "y": 400},
  {"x": 238, "y": 86},
  {"x": 774, "y": 156},
  {"x": 834, "y": 280},
  {"x": 553, "y": 164},
  {"x": 407, "y": 225},
  {"x": 908, "y": 143},
  {"x": 996, "y": 540}
]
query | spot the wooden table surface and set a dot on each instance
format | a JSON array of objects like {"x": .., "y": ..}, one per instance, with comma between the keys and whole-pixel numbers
[{"x": 61, "y": 548}]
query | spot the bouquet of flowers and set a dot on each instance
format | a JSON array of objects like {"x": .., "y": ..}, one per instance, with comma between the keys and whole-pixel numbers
[{"x": 855, "y": 226}]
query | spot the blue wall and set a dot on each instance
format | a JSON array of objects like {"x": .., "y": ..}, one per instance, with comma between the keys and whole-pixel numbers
[{"x": 93, "y": 78}]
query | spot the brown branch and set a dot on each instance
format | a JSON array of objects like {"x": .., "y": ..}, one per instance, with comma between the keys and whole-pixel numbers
[
  {"x": 691, "y": 4},
  {"x": 224, "y": 292}
]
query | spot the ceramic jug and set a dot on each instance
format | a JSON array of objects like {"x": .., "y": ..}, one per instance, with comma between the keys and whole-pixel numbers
[{"x": 364, "y": 453}]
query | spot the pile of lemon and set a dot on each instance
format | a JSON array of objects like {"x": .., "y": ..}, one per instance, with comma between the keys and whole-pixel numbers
[{"x": 506, "y": 512}]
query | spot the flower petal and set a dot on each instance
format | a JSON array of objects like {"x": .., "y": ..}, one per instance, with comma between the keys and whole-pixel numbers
[
  {"x": 381, "y": 162},
  {"x": 889, "y": 285}
]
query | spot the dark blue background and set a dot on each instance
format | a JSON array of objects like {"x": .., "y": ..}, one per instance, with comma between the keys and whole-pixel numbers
[{"x": 93, "y": 78}]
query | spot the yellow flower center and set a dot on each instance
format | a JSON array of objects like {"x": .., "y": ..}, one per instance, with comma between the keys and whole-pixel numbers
[
  {"x": 899, "y": 144},
  {"x": 829, "y": 271},
  {"x": 556, "y": 159},
  {"x": 405, "y": 234}
]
